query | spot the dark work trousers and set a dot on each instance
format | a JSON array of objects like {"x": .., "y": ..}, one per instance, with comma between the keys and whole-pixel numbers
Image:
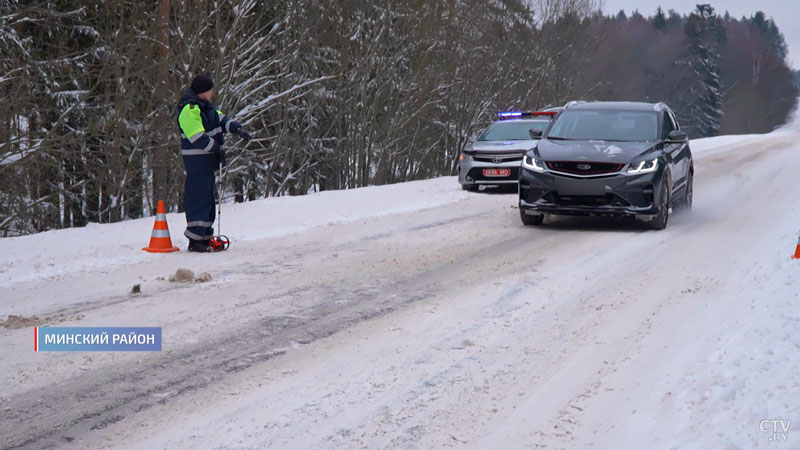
[{"x": 199, "y": 205}]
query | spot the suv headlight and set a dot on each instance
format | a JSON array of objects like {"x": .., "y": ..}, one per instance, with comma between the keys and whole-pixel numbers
[
  {"x": 464, "y": 157},
  {"x": 643, "y": 167},
  {"x": 531, "y": 163}
]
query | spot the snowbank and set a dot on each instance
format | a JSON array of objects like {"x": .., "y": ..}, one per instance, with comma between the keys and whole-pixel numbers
[{"x": 59, "y": 252}]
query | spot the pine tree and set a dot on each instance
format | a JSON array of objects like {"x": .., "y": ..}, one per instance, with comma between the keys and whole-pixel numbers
[
  {"x": 706, "y": 35},
  {"x": 674, "y": 20},
  {"x": 659, "y": 21},
  {"x": 770, "y": 33}
]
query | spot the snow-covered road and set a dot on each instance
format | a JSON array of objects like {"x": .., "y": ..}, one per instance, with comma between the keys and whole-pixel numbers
[{"x": 421, "y": 316}]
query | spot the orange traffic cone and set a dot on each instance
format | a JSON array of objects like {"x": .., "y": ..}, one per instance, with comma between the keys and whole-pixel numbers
[
  {"x": 797, "y": 250},
  {"x": 160, "y": 241}
]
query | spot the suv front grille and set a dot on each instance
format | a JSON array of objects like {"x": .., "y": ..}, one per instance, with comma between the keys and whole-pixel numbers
[{"x": 584, "y": 168}]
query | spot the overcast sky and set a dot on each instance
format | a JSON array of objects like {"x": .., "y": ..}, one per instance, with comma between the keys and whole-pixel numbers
[{"x": 785, "y": 13}]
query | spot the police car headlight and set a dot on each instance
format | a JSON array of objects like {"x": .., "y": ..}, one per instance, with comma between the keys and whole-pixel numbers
[
  {"x": 643, "y": 167},
  {"x": 531, "y": 163}
]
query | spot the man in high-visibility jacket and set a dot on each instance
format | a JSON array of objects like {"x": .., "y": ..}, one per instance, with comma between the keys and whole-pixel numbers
[{"x": 202, "y": 147}]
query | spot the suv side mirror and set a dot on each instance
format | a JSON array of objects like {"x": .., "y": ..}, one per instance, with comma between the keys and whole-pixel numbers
[
  {"x": 535, "y": 134},
  {"x": 677, "y": 135},
  {"x": 472, "y": 139}
]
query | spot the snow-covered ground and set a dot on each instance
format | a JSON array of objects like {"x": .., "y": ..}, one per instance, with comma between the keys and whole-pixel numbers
[{"x": 421, "y": 316}]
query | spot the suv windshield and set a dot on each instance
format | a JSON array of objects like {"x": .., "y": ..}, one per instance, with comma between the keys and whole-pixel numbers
[
  {"x": 606, "y": 126},
  {"x": 512, "y": 131}
]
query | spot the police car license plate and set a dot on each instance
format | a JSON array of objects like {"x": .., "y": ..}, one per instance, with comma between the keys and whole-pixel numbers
[{"x": 497, "y": 172}]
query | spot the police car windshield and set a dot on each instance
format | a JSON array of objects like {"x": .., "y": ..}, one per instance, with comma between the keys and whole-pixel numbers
[
  {"x": 516, "y": 130},
  {"x": 606, "y": 126}
]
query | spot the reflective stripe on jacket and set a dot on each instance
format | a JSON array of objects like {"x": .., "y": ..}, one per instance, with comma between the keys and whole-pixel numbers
[{"x": 201, "y": 126}]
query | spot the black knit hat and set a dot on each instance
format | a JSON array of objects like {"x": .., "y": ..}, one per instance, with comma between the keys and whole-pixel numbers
[{"x": 202, "y": 83}]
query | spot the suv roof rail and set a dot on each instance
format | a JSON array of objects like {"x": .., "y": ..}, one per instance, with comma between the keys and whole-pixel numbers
[{"x": 660, "y": 106}]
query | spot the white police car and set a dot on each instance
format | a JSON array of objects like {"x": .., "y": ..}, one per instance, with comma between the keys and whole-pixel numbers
[{"x": 495, "y": 157}]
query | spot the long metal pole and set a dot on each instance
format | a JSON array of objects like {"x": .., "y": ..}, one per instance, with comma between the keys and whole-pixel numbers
[{"x": 219, "y": 202}]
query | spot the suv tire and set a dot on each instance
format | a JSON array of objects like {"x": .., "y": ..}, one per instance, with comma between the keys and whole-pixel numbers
[{"x": 659, "y": 222}]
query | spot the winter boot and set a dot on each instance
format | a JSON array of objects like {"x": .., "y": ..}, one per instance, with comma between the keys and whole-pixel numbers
[{"x": 199, "y": 246}]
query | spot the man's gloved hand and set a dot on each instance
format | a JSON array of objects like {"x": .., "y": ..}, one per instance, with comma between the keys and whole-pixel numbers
[
  {"x": 244, "y": 134},
  {"x": 221, "y": 156}
]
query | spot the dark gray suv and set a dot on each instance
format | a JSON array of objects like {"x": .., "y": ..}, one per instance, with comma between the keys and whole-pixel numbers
[{"x": 609, "y": 159}]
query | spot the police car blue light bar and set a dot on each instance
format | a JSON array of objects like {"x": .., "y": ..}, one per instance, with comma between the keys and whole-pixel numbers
[{"x": 509, "y": 114}]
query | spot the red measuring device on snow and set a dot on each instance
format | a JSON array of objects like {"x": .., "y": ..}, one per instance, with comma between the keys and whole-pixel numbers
[{"x": 219, "y": 243}]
